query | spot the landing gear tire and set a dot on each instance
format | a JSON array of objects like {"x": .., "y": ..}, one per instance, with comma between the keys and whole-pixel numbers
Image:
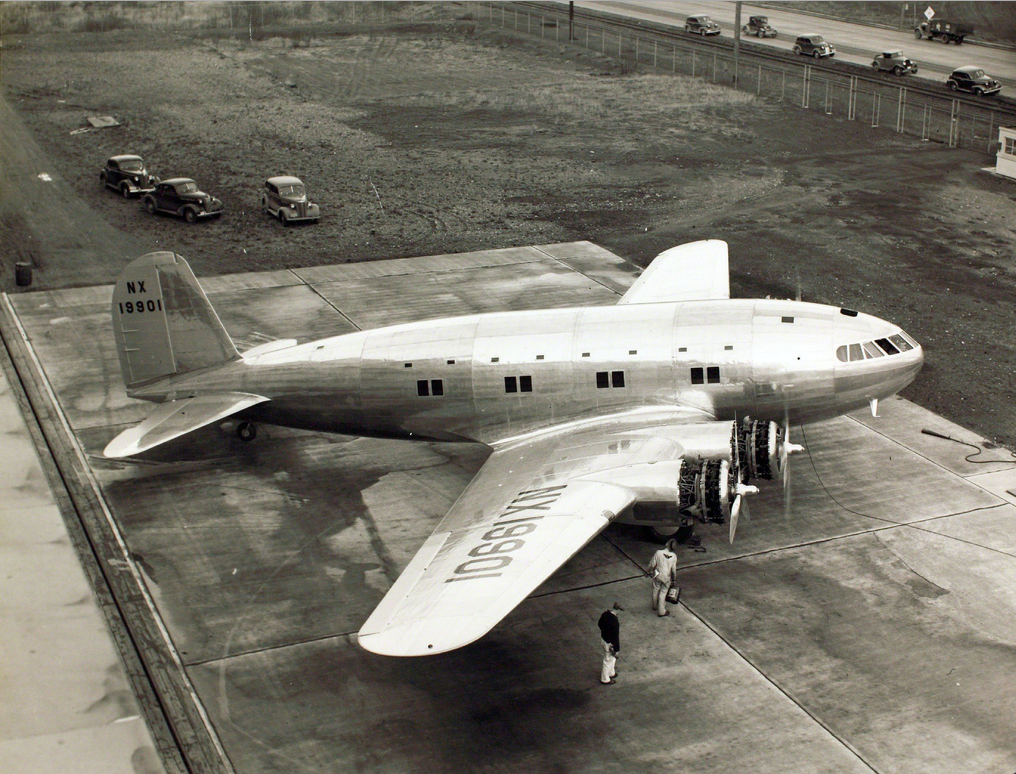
[
  {"x": 246, "y": 431},
  {"x": 661, "y": 536}
]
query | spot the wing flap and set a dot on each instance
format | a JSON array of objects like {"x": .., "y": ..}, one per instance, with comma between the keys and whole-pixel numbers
[
  {"x": 175, "y": 418},
  {"x": 697, "y": 271},
  {"x": 463, "y": 581}
]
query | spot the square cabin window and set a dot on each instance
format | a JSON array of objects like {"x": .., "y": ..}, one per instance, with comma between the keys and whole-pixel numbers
[
  {"x": 713, "y": 374},
  {"x": 525, "y": 384},
  {"x": 436, "y": 387},
  {"x": 696, "y": 376},
  {"x": 511, "y": 384},
  {"x": 602, "y": 380},
  {"x": 617, "y": 378},
  {"x": 422, "y": 388}
]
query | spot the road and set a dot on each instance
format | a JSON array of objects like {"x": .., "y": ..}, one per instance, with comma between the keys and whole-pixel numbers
[{"x": 854, "y": 42}]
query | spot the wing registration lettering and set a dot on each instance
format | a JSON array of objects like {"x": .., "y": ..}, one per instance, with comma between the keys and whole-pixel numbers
[{"x": 494, "y": 552}]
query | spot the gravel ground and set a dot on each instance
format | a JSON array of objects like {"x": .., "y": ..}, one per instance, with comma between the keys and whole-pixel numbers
[{"x": 440, "y": 138}]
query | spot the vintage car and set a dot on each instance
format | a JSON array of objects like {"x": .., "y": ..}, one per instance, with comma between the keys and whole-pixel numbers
[
  {"x": 285, "y": 197},
  {"x": 759, "y": 27},
  {"x": 944, "y": 30},
  {"x": 182, "y": 197},
  {"x": 701, "y": 25},
  {"x": 894, "y": 62},
  {"x": 127, "y": 174},
  {"x": 813, "y": 45},
  {"x": 974, "y": 80}
]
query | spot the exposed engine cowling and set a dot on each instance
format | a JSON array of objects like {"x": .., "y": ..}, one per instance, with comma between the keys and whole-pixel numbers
[
  {"x": 704, "y": 489},
  {"x": 759, "y": 448}
]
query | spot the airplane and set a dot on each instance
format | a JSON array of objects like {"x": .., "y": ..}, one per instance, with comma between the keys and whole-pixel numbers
[{"x": 674, "y": 396}]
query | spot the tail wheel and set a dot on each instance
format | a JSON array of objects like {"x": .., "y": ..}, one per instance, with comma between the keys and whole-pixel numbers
[{"x": 246, "y": 431}]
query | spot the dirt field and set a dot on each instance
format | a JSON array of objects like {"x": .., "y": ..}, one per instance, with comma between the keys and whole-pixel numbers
[{"x": 441, "y": 138}]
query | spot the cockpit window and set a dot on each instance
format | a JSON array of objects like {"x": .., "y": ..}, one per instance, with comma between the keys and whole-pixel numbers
[
  {"x": 871, "y": 350},
  {"x": 888, "y": 346},
  {"x": 855, "y": 352},
  {"x": 901, "y": 343}
]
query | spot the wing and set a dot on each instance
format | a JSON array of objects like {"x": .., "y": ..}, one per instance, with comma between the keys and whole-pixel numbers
[
  {"x": 179, "y": 417},
  {"x": 693, "y": 272},
  {"x": 532, "y": 506}
]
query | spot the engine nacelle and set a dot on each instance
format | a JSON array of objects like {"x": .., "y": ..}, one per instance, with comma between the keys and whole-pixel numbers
[
  {"x": 704, "y": 490},
  {"x": 760, "y": 448}
]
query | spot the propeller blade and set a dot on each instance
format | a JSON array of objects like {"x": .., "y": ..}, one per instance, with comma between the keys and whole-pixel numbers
[{"x": 735, "y": 513}]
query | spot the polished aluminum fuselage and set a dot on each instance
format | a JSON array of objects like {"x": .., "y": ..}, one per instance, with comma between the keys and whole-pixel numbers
[{"x": 466, "y": 378}]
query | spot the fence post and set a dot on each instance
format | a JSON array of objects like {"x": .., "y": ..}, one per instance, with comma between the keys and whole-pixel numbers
[
  {"x": 620, "y": 38},
  {"x": 655, "y": 49},
  {"x": 991, "y": 130},
  {"x": 954, "y": 124},
  {"x": 758, "y": 90},
  {"x": 828, "y": 103},
  {"x": 714, "y": 67},
  {"x": 783, "y": 85},
  {"x": 901, "y": 110},
  {"x": 925, "y": 131},
  {"x": 806, "y": 87},
  {"x": 692, "y": 60},
  {"x": 876, "y": 109},
  {"x": 852, "y": 100}
]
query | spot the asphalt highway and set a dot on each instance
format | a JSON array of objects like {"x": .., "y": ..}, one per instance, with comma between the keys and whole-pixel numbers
[{"x": 853, "y": 42}]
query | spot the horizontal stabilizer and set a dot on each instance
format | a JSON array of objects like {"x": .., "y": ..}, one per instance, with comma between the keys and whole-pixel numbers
[
  {"x": 178, "y": 417},
  {"x": 697, "y": 271}
]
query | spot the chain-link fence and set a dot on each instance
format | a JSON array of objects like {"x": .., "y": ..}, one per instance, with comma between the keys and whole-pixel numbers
[{"x": 893, "y": 106}]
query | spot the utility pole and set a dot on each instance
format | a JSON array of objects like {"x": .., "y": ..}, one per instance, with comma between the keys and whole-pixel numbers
[
  {"x": 571, "y": 20},
  {"x": 737, "y": 38}
]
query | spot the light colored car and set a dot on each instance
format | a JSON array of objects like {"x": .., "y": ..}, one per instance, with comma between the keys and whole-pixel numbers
[
  {"x": 894, "y": 62},
  {"x": 285, "y": 197}
]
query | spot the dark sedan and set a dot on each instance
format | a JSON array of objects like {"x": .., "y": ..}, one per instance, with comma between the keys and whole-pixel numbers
[{"x": 182, "y": 197}]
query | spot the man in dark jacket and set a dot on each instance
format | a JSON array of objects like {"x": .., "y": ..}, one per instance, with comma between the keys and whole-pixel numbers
[{"x": 610, "y": 634}]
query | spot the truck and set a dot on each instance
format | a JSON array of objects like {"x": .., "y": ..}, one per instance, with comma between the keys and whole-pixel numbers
[{"x": 941, "y": 29}]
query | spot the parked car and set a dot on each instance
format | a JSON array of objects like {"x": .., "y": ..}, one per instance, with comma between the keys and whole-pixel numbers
[
  {"x": 759, "y": 27},
  {"x": 182, "y": 197},
  {"x": 285, "y": 197},
  {"x": 894, "y": 62},
  {"x": 127, "y": 174},
  {"x": 974, "y": 80},
  {"x": 941, "y": 29},
  {"x": 701, "y": 25}
]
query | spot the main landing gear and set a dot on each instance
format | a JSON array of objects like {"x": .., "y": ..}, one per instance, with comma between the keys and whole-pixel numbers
[{"x": 246, "y": 431}]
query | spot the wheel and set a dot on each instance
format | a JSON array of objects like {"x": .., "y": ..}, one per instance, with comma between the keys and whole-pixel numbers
[
  {"x": 189, "y": 215},
  {"x": 897, "y": 70},
  {"x": 102, "y": 178},
  {"x": 945, "y": 39},
  {"x": 126, "y": 191},
  {"x": 282, "y": 218},
  {"x": 874, "y": 65},
  {"x": 816, "y": 54},
  {"x": 917, "y": 34},
  {"x": 978, "y": 92},
  {"x": 150, "y": 205},
  {"x": 959, "y": 41},
  {"x": 797, "y": 50},
  {"x": 744, "y": 28},
  {"x": 246, "y": 431},
  {"x": 953, "y": 86},
  {"x": 264, "y": 203},
  {"x": 656, "y": 535}
]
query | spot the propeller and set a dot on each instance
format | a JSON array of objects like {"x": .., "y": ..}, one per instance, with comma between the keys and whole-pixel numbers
[
  {"x": 786, "y": 449},
  {"x": 738, "y": 488}
]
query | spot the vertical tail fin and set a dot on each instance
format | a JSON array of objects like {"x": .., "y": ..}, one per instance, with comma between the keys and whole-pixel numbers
[{"x": 163, "y": 322}]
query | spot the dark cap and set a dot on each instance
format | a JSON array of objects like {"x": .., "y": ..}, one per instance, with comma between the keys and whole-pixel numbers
[{"x": 617, "y": 606}]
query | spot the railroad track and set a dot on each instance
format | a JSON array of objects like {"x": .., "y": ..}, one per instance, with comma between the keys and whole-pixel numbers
[{"x": 753, "y": 54}]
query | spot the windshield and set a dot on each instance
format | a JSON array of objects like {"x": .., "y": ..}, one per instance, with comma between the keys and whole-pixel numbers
[
  {"x": 817, "y": 40},
  {"x": 132, "y": 165},
  {"x": 190, "y": 187},
  {"x": 977, "y": 74},
  {"x": 291, "y": 190}
]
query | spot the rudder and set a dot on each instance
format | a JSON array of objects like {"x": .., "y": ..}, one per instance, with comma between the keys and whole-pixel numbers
[{"x": 163, "y": 322}]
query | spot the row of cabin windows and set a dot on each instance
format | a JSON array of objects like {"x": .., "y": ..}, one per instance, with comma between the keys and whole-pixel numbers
[{"x": 605, "y": 380}]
